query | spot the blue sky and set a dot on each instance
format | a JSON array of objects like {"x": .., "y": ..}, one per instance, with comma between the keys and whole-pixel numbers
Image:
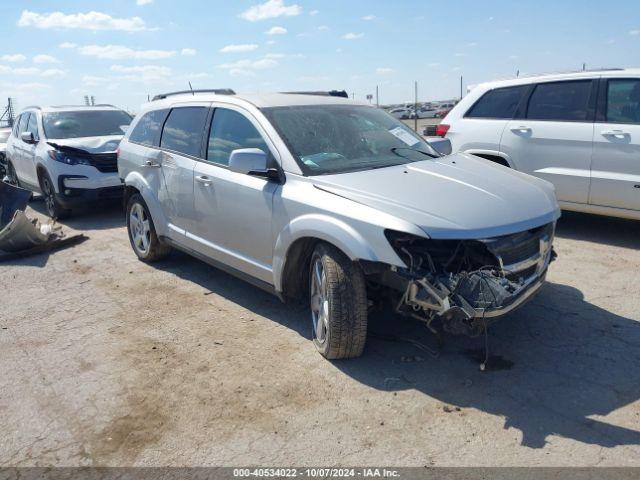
[{"x": 120, "y": 51}]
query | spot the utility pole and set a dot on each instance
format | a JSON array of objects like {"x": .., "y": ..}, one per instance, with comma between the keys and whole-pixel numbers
[
  {"x": 415, "y": 108},
  {"x": 377, "y": 97},
  {"x": 584, "y": 67}
]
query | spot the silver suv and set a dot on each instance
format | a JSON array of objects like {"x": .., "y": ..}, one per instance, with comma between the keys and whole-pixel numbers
[
  {"x": 67, "y": 153},
  {"x": 336, "y": 201}
]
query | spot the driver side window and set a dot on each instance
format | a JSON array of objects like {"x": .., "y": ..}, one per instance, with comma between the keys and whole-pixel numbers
[{"x": 230, "y": 131}]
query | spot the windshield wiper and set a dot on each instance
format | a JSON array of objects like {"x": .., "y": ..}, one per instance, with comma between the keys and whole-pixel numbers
[{"x": 396, "y": 150}]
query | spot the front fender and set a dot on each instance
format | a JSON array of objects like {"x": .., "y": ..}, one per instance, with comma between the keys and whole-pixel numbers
[
  {"x": 333, "y": 231},
  {"x": 136, "y": 180}
]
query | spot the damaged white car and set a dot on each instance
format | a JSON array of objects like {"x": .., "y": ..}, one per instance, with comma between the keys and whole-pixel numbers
[{"x": 336, "y": 201}]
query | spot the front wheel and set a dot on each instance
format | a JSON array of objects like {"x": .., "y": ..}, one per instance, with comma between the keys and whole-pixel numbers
[
  {"x": 142, "y": 232},
  {"x": 54, "y": 209},
  {"x": 338, "y": 301}
]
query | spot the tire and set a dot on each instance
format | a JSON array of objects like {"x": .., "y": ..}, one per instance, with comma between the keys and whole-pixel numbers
[
  {"x": 54, "y": 209},
  {"x": 142, "y": 232},
  {"x": 338, "y": 300}
]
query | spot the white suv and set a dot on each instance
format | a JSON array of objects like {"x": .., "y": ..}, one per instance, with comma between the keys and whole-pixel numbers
[
  {"x": 580, "y": 131},
  {"x": 67, "y": 153}
]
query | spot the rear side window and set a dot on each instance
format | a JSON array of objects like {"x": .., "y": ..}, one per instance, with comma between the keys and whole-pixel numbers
[
  {"x": 623, "y": 101},
  {"x": 230, "y": 131},
  {"x": 32, "y": 126},
  {"x": 183, "y": 130},
  {"x": 147, "y": 130},
  {"x": 563, "y": 101},
  {"x": 498, "y": 103},
  {"x": 22, "y": 123}
]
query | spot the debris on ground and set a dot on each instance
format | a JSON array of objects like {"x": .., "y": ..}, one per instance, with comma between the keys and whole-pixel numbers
[{"x": 21, "y": 236}]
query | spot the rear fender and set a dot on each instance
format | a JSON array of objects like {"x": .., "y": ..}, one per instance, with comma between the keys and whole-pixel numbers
[{"x": 137, "y": 181}]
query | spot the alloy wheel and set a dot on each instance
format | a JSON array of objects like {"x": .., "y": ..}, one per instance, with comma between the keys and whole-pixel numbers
[
  {"x": 140, "y": 229},
  {"x": 319, "y": 301},
  {"x": 49, "y": 197}
]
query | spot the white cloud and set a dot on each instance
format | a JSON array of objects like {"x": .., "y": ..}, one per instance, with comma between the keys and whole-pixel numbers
[
  {"x": 276, "y": 31},
  {"x": 459, "y": 54},
  {"x": 246, "y": 47},
  {"x": 634, "y": 32},
  {"x": 143, "y": 2},
  {"x": 45, "y": 59},
  {"x": 19, "y": 70},
  {"x": 353, "y": 36},
  {"x": 472, "y": 44},
  {"x": 260, "y": 64},
  {"x": 270, "y": 9},
  {"x": 188, "y": 52},
  {"x": 323, "y": 28},
  {"x": 384, "y": 70},
  {"x": 314, "y": 12},
  {"x": 369, "y": 17},
  {"x": 18, "y": 57},
  {"x": 85, "y": 21},
  {"x": 53, "y": 73},
  {"x": 92, "y": 80},
  {"x": 68, "y": 45},
  {"x": 120, "y": 52},
  {"x": 271, "y": 42},
  {"x": 143, "y": 69}
]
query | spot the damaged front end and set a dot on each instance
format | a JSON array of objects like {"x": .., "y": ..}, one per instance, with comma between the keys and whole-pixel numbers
[{"x": 468, "y": 283}]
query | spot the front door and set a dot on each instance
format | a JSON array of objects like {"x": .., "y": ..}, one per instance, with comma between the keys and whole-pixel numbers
[
  {"x": 233, "y": 210},
  {"x": 615, "y": 170},
  {"x": 554, "y": 140}
]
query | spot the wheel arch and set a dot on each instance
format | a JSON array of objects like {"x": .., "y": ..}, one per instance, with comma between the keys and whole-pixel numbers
[
  {"x": 134, "y": 183},
  {"x": 295, "y": 244}
]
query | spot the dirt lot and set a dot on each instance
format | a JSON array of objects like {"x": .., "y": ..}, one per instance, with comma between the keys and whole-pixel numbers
[{"x": 108, "y": 361}]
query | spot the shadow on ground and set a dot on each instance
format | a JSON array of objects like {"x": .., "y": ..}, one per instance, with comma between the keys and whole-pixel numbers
[
  {"x": 94, "y": 216},
  {"x": 571, "y": 360},
  {"x": 595, "y": 228}
]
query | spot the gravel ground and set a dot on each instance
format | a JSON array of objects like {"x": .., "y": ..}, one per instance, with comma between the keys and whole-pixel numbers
[{"x": 108, "y": 361}]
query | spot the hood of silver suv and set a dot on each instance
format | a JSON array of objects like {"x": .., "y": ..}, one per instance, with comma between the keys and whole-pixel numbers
[
  {"x": 107, "y": 144},
  {"x": 457, "y": 196}
]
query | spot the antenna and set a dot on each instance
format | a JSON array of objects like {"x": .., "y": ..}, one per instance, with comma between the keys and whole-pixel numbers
[{"x": 191, "y": 88}]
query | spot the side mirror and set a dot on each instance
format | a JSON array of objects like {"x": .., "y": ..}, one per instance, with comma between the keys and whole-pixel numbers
[
  {"x": 440, "y": 145},
  {"x": 251, "y": 161},
  {"x": 27, "y": 137}
]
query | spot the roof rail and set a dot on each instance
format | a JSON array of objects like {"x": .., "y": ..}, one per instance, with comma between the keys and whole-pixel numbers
[
  {"x": 330, "y": 93},
  {"x": 37, "y": 107},
  {"x": 563, "y": 72},
  {"x": 217, "y": 91}
]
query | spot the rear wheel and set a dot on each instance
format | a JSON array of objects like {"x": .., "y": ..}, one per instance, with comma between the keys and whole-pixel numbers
[
  {"x": 142, "y": 232},
  {"x": 54, "y": 209},
  {"x": 338, "y": 302}
]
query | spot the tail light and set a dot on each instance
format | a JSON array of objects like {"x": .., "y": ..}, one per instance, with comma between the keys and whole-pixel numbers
[{"x": 442, "y": 129}]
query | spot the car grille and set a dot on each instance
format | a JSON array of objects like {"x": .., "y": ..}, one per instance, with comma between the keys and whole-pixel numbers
[
  {"x": 105, "y": 162},
  {"x": 523, "y": 254}
]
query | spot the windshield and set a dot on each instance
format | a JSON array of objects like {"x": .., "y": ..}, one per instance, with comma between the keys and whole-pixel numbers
[
  {"x": 96, "y": 123},
  {"x": 4, "y": 135},
  {"x": 328, "y": 139}
]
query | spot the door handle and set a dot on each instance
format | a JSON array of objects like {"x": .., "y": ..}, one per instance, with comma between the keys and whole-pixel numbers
[
  {"x": 521, "y": 128},
  {"x": 614, "y": 133},
  {"x": 206, "y": 181},
  {"x": 150, "y": 164}
]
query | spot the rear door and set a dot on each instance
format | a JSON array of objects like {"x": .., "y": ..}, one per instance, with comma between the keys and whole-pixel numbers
[
  {"x": 181, "y": 146},
  {"x": 480, "y": 129},
  {"x": 17, "y": 151},
  {"x": 552, "y": 137},
  {"x": 29, "y": 151},
  {"x": 233, "y": 211},
  {"x": 615, "y": 169}
]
